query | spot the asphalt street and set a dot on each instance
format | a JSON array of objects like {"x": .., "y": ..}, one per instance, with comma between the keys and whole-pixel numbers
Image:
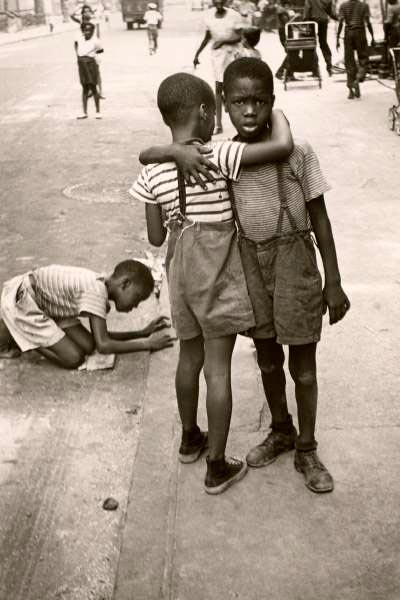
[{"x": 69, "y": 440}]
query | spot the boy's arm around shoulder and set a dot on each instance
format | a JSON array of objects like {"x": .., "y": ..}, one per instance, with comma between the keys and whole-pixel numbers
[
  {"x": 335, "y": 299},
  {"x": 278, "y": 146},
  {"x": 190, "y": 158},
  {"x": 106, "y": 344}
]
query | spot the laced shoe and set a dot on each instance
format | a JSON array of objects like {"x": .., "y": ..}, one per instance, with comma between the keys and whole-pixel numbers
[
  {"x": 275, "y": 443},
  {"x": 318, "y": 479},
  {"x": 223, "y": 473},
  {"x": 191, "y": 451}
]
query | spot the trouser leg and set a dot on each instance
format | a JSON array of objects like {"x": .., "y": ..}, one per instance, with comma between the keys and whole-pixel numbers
[{"x": 323, "y": 43}]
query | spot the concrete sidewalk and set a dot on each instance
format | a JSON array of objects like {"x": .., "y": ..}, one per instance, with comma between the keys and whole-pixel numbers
[
  {"x": 31, "y": 33},
  {"x": 267, "y": 537}
]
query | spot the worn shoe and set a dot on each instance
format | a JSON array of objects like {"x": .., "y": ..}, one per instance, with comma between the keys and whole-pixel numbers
[
  {"x": 351, "y": 94},
  {"x": 357, "y": 91},
  {"x": 318, "y": 479},
  {"x": 189, "y": 453},
  {"x": 274, "y": 444},
  {"x": 223, "y": 473}
]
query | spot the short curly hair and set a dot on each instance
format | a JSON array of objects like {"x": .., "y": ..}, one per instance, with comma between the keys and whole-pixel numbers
[
  {"x": 178, "y": 94},
  {"x": 252, "y": 68},
  {"x": 137, "y": 272}
]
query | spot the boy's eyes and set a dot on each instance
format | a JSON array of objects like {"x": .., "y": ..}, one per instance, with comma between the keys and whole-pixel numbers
[{"x": 257, "y": 102}]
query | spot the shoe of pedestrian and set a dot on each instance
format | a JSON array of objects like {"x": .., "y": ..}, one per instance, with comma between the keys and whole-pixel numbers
[
  {"x": 357, "y": 91},
  {"x": 318, "y": 479},
  {"x": 82, "y": 117},
  {"x": 98, "y": 116},
  {"x": 221, "y": 474},
  {"x": 190, "y": 452},
  {"x": 351, "y": 94},
  {"x": 275, "y": 443}
]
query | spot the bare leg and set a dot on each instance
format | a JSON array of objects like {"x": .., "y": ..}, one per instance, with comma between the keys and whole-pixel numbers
[
  {"x": 270, "y": 359},
  {"x": 8, "y": 347},
  {"x": 303, "y": 369},
  {"x": 82, "y": 338},
  {"x": 191, "y": 359},
  {"x": 217, "y": 372},
  {"x": 65, "y": 353}
]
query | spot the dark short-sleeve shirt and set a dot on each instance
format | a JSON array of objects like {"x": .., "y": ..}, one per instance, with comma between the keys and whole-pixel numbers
[{"x": 354, "y": 13}]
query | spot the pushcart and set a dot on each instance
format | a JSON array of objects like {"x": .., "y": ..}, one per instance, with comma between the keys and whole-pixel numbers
[
  {"x": 301, "y": 51},
  {"x": 394, "y": 111}
]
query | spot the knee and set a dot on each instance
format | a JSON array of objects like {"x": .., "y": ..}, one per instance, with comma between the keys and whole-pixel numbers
[
  {"x": 191, "y": 362},
  {"x": 270, "y": 361},
  {"x": 73, "y": 360},
  {"x": 303, "y": 377}
]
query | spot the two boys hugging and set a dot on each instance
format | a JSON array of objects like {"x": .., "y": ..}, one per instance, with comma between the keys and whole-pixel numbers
[{"x": 277, "y": 196}]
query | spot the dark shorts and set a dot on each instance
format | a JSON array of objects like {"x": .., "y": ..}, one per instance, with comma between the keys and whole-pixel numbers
[
  {"x": 206, "y": 282},
  {"x": 88, "y": 71},
  {"x": 293, "y": 290}
]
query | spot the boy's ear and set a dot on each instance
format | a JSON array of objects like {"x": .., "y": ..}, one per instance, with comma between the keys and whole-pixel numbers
[
  {"x": 203, "y": 113},
  {"x": 125, "y": 282}
]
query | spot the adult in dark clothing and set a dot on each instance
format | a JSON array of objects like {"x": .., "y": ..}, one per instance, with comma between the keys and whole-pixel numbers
[
  {"x": 283, "y": 15},
  {"x": 355, "y": 15},
  {"x": 320, "y": 11}
]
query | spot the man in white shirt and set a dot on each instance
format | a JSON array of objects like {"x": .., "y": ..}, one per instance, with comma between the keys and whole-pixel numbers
[{"x": 153, "y": 19}]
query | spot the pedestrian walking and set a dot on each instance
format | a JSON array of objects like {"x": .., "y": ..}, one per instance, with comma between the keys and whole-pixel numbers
[
  {"x": 355, "y": 15},
  {"x": 207, "y": 288},
  {"x": 153, "y": 19},
  {"x": 40, "y": 310},
  {"x": 320, "y": 11},
  {"x": 284, "y": 15},
  {"x": 250, "y": 39},
  {"x": 277, "y": 207},
  {"x": 87, "y": 48},
  {"x": 223, "y": 28}
]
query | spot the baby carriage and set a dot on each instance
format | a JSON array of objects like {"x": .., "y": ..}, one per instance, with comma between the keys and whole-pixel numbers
[
  {"x": 394, "y": 111},
  {"x": 301, "y": 51}
]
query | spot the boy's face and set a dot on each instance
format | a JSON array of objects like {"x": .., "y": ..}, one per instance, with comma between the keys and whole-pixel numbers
[
  {"x": 87, "y": 32},
  {"x": 249, "y": 106},
  {"x": 127, "y": 295}
]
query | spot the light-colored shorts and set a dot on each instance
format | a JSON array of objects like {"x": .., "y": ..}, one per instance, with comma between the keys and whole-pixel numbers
[
  {"x": 206, "y": 282},
  {"x": 26, "y": 322}
]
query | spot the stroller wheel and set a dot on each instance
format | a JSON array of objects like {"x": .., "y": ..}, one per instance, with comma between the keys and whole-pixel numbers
[{"x": 391, "y": 119}]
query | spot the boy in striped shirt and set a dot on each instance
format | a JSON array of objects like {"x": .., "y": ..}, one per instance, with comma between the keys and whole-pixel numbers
[
  {"x": 40, "y": 311},
  {"x": 207, "y": 288}
]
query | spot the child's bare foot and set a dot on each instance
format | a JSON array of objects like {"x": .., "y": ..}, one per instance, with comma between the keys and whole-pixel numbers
[{"x": 10, "y": 352}]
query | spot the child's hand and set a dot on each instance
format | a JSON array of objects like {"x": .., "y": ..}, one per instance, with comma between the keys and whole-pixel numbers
[
  {"x": 195, "y": 167},
  {"x": 156, "y": 325},
  {"x": 336, "y": 301},
  {"x": 158, "y": 341}
]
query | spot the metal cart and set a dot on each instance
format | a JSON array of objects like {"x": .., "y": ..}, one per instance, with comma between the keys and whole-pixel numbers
[
  {"x": 394, "y": 111},
  {"x": 301, "y": 51}
]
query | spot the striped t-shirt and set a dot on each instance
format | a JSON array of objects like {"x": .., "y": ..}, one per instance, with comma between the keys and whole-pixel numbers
[
  {"x": 158, "y": 184},
  {"x": 354, "y": 13},
  {"x": 62, "y": 292},
  {"x": 257, "y": 194}
]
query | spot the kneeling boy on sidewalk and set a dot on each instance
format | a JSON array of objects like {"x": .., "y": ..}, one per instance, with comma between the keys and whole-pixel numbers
[
  {"x": 207, "y": 288},
  {"x": 40, "y": 311},
  {"x": 277, "y": 206}
]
